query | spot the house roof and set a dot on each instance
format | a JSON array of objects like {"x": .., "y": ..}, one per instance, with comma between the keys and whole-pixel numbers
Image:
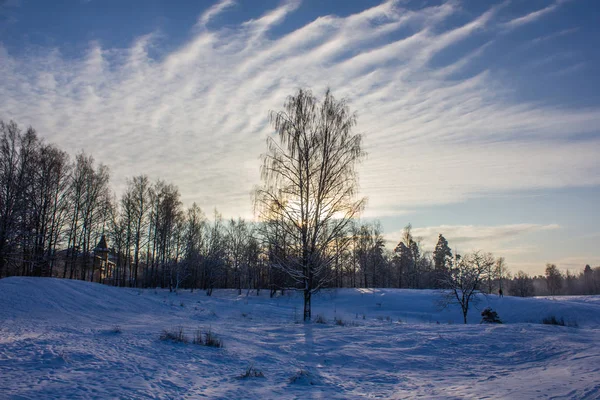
[{"x": 101, "y": 246}]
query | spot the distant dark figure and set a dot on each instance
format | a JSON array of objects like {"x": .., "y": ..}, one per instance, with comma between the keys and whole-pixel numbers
[{"x": 500, "y": 293}]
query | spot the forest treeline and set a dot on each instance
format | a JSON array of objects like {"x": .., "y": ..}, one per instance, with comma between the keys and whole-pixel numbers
[{"x": 54, "y": 210}]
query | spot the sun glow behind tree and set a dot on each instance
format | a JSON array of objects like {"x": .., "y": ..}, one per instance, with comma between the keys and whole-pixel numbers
[{"x": 309, "y": 185}]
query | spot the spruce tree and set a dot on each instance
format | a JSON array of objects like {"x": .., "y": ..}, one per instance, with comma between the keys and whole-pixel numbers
[{"x": 442, "y": 258}]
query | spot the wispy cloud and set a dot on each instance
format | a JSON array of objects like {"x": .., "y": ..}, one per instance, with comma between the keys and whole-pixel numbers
[
  {"x": 535, "y": 15},
  {"x": 213, "y": 11},
  {"x": 554, "y": 35},
  {"x": 198, "y": 116},
  {"x": 467, "y": 238},
  {"x": 569, "y": 69}
]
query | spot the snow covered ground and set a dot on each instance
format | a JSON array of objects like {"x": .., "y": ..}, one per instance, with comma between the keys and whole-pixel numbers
[{"x": 58, "y": 339}]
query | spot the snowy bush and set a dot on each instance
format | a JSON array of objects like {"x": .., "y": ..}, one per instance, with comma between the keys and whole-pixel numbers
[
  {"x": 489, "y": 316},
  {"x": 116, "y": 329},
  {"x": 552, "y": 320},
  {"x": 207, "y": 339},
  {"x": 212, "y": 340},
  {"x": 303, "y": 377},
  {"x": 341, "y": 322},
  {"x": 320, "y": 319},
  {"x": 198, "y": 337},
  {"x": 174, "y": 335},
  {"x": 252, "y": 372}
]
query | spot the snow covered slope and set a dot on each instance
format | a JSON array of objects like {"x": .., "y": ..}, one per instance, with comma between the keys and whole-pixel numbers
[{"x": 61, "y": 339}]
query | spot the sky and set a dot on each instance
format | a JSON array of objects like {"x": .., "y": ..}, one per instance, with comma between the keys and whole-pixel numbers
[{"x": 481, "y": 119}]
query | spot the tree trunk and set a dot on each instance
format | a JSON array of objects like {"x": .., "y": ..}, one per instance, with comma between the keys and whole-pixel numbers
[{"x": 307, "y": 310}]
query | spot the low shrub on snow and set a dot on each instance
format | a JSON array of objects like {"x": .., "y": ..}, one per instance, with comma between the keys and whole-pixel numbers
[
  {"x": 174, "y": 335},
  {"x": 489, "y": 316},
  {"x": 320, "y": 319},
  {"x": 303, "y": 377},
  {"x": 200, "y": 338},
  {"x": 552, "y": 320},
  {"x": 252, "y": 372},
  {"x": 341, "y": 322},
  {"x": 212, "y": 340},
  {"x": 207, "y": 339}
]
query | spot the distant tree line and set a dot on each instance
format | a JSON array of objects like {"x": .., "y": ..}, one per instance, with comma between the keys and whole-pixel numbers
[
  {"x": 54, "y": 210},
  {"x": 554, "y": 282}
]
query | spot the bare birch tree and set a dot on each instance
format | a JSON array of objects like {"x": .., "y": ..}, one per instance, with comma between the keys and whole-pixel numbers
[{"x": 310, "y": 183}]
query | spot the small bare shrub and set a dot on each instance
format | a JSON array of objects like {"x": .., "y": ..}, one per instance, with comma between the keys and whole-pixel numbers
[
  {"x": 252, "y": 372},
  {"x": 302, "y": 376},
  {"x": 341, "y": 322},
  {"x": 211, "y": 340},
  {"x": 116, "y": 329},
  {"x": 552, "y": 320},
  {"x": 320, "y": 319},
  {"x": 198, "y": 338},
  {"x": 174, "y": 335}
]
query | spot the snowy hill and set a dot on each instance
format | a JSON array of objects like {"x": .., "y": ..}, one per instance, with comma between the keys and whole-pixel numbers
[{"x": 73, "y": 339}]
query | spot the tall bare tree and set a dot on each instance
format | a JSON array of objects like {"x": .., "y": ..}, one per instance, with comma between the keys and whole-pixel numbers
[
  {"x": 554, "y": 279},
  {"x": 215, "y": 254},
  {"x": 522, "y": 285},
  {"x": 194, "y": 238},
  {"x": 237, "y": 242},
  {"x": 136, "y": 204},
  {"x": 310, "y": 183}
]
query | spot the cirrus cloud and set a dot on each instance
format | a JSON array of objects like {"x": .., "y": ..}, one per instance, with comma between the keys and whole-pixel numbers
[{"x": 197, "y": 116}]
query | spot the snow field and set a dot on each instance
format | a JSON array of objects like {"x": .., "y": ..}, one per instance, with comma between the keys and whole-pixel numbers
[{"x": 59, "y": 339}]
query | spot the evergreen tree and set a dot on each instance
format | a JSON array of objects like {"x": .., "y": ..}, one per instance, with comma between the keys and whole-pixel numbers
[
  {"x": 442, "y": 255},
  {"x": 442, "y": 258}
]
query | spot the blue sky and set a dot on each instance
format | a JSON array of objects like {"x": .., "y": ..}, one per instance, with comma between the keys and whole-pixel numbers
[{"x": 480, "y": 118}]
